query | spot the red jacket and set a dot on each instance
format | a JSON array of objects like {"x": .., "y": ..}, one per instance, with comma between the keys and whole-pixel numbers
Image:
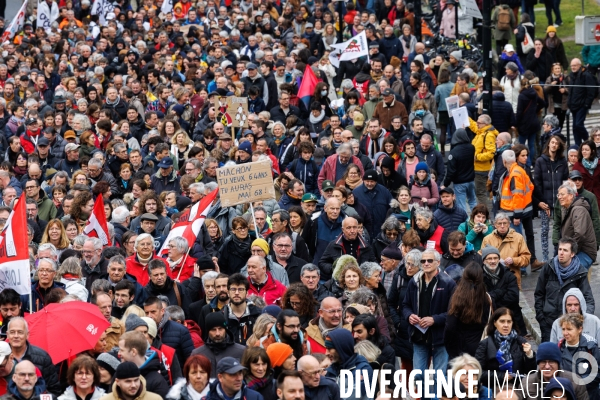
[
  {"x": 27, "y": 142},
  {"x": 329, "y": 166},
  {"x": 272, "y": 292},
  {"x": 187, "y": 270},
  {"x": 139, "y": 271},
  {"x": 195, "y": 332}
]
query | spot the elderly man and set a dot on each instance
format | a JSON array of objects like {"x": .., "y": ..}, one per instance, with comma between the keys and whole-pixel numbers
[
  {"x": 94, "y": 265},
  {"x": 262, "y": 282},
  {"x": 485, "y": 148},
  {"x": 577, "y": 179},
  {"x": 348, "y": 242},
  {"x": 501, "y": 285},
  {"x": 549, "y": 360},
  {"x": 161, "y": 284},
  {"x": 22, "y": 350},
  {"x": 329, "y": 319},
  {"x": 391, "y": 258},
  {"x": 310, "y": 275},
  {"x": 388, "y": 108},
  {"x": 560, "y": 274},
  {"x": 47, "y": 268},
  {"x": 181, "y": 265},
  {"x": 282, "y": 254},
  {"x": 316, "y": 386},
  {"x": 46, "y": 208},
  {"x": 323, "y": 230},
  {"x": 576, "y": 223},
  {"x": 375, "y": 197},
  {"x": 513, "y": 249},
  {"x": 166, "y": 179},
  {"x": 503, "y": 143},
  {"x": 25, "y": 383},
  {"x": 335, "y": 166},
  {"x": 104, "y": 303},
  {"x": 421, "y": 307}
]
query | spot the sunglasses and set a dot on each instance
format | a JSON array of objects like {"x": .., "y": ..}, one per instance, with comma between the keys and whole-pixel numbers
[{"x": 427, "y": 261}]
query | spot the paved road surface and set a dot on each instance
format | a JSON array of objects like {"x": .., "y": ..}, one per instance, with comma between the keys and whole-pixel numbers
[{"x": 12, "y": 6}]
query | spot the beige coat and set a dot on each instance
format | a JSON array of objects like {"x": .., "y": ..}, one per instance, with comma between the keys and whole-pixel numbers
[
  {"x": 115, "y": 395},
  {"x": 514, "y": 246}
]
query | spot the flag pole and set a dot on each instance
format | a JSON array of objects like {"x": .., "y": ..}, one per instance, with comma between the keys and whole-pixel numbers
[
  {"x": 183, "y": 262},
  {"x": 255, "y": 227}
]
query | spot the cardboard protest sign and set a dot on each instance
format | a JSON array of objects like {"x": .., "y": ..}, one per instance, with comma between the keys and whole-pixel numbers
[{"x": 243, "y": 183}]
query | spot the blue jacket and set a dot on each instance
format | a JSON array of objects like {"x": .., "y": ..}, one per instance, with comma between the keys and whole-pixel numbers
[
  {"x": 307, "y": 172},
  {"x": 285, "y": 202},
  {"x": 38, "y": 389},
  {"x": 377, "y": 201},
  {"x": 390, "y": 47},
  {"x": 37, "y": 296},
  {"x": 434, "y": 160},
  {"x": 14, "y": 183},
  {"x": 327, "y": 231},
  {"x": 178, "y": 337},
  {"x": 450, "y": 218},
  {"x": 442, "y": 292},
  {"x": 216, "y": 393},
  {"x": 343, "y": 342}
]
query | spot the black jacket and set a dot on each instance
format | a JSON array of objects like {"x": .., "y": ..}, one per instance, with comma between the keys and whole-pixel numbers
[
  {"x": 231, "y": 257},
  {"x": 326, "y": 390},
  {"x": 584, "y": 93},
  {"x": 395, "y": 180},
  {"x": 542, "y": 66},
  {"x": 335, "y": 250},
  {"x": 499, "y": 168},
  {"x": 243, "y": 327},
  {"x": 277, "y": 114},
  {"x": 528, "y": 105},
  {"x": 486, "y": 355},
  {"x": 505, "y": 293},
  {"x": 549, "y": 294},
  {"x": 272, "y": 88},
  {"x": 43, "y": 362},
  {"x": 168, "y": 290},
  {"x": 464, "y": 338},
  {"x": 457, "y": 170},
  {"x": 402, "y": 344},
  {"x": 178, "y": 337},
  {"x": 467, "y": 258},
  {"x": 348, "y": 70},
  {"x": 151, "y": 371},
  {"x": 547, "y": 178},
  {"x": 503, "y": 116},
  {"x": 450, "y": 218},
  {"x": 442, "y": 292}
]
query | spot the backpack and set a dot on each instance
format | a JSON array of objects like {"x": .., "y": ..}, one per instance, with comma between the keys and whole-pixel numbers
[{"x": 504, "y": 19}]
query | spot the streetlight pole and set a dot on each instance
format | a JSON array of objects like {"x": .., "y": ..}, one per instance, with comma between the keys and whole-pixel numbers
[
  {"x": 340, "y": 10},
  {"x": 487, "y": 56}
]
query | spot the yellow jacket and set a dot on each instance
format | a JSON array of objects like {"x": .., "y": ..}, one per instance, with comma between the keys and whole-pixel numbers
[
  {"x": 485, "y": 145},
  {"x": 517, "y": 192},
  {"x": 513, "y": 245}
]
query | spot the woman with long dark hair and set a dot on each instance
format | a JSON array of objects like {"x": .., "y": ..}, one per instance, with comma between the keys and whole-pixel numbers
[
  {"x": 470, "y": 309},
  {"x": 365, "y": 327},
  {"x": 301, "y": 300},
  {"x": 258, "y": 375}
]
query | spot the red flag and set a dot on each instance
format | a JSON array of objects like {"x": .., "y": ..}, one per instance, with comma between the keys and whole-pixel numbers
[
  {"x": 97, "y": 225},
  {"x": 190, "y": 222},
  {"x": 307, "y": 86},
  {"x": 14, "y": 251}
]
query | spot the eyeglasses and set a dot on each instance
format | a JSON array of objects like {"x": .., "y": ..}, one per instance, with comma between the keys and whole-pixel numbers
[
  {"x": 332, "y": 312},
  {"x": 25, "y": 375},
  {"x": 240, "y": 229},
  {"x": 427, "y": 261},
  {"x": 45, "y": 271},
  {"x": 283, "y": 246},
  {"x": 294, "y": 304}
]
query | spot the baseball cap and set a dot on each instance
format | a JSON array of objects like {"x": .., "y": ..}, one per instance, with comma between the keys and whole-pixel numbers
[
  {"x": 165, "y": 163},
  {"x": 42, "y": 141},
  {"x": 309, "y": 197},
  {"x": 359, "y": 119},
  {"x": 327, "y": 185},
  {"x": 229, "y": 365},
  {"x": 71, "y": 147},
  {"x": 308, "y": 25},
  {"x": 251, "y": 66},
  {"x": 70, "y": 135},
  {"x": 388, "y": 92},
  {"x": 31, "y": 121},
  {"x": 447, "y": 190}
]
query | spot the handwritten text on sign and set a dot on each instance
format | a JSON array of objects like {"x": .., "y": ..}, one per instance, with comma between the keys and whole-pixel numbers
[{"x": 240, "y": 184}]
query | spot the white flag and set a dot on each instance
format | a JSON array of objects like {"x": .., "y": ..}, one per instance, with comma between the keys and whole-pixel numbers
[
  {"x": 102, "y": 8},
  {"x": 167, "y": 6},
  {"x": 15, "y": 25},
  {"x": 334, "y": 56},
  {"x": 354, "y": 48},
  {"x": 46, "y": 15}
]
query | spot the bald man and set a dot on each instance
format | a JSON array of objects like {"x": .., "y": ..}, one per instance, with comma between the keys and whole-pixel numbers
[
  {"x": 329, "y": 318},
  {"x": 316, "y": 386},
  {"x": 26, "y": 382}
]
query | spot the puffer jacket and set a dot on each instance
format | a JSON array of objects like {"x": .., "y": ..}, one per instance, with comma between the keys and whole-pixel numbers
[
  {"x": 547, "y": 178},
  {"x": 420, "y": 190},
  {"x": 576, "y": 223},
  {"x": 503, "y": 116},
  {"x": 450, "y": 218},
  {"x": 178, "y": 337},
  {"x": 549, "y": 294},
  {"x": 528, "y": 105},
  {"x": 442, "y": 292},
  {"x": 43, "y": 362},
  {"x": 584, "y": 93},
  {"x": 485, "y": 145}
]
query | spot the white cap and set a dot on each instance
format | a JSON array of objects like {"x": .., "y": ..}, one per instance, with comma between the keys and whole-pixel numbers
[
  {"x": 509, "y": 48},
  {"x": 4, "y": 351}
]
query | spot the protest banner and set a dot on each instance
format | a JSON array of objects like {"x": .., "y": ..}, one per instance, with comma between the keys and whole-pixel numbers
[
  {"x": 244, "y": 183},
  {"x": 238, "y": 106},
  {"x": 14, "y": 251}
]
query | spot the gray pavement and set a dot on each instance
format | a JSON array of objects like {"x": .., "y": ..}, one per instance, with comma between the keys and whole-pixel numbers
[{"x": 12, "y": 6}]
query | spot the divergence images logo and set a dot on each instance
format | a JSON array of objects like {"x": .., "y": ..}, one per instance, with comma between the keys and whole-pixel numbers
[{"x": 587, "y": 368}]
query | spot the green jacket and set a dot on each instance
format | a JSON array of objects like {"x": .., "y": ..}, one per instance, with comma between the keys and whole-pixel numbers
[
  {"x": 473, "y": 237},
  {"x": 591, "y": 198},
  {"x": 369, "y": 108},
  {"x": 46, "y": 208}
]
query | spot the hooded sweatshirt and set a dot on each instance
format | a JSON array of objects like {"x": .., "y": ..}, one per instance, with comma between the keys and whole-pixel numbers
[
  {"x": 591, "y": 323},
  {"x": 343, "y": 343}
]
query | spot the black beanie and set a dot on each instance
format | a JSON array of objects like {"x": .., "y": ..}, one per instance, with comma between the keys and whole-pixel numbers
[
  {"x": 127, "y": 370},
  {"x": 213, "y": 320}
]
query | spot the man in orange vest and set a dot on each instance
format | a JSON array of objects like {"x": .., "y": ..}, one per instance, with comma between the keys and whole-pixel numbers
[{"x": 516, "y": 192}]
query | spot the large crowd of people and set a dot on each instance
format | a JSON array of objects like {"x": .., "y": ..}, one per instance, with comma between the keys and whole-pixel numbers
[{"x": 396, "y": 241}]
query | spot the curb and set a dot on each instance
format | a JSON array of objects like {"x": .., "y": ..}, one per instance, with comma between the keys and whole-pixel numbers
[{"x": 530, "y": 322}]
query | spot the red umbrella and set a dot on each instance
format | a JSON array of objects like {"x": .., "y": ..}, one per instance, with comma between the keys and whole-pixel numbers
[{"x": 64, "y": 330}]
